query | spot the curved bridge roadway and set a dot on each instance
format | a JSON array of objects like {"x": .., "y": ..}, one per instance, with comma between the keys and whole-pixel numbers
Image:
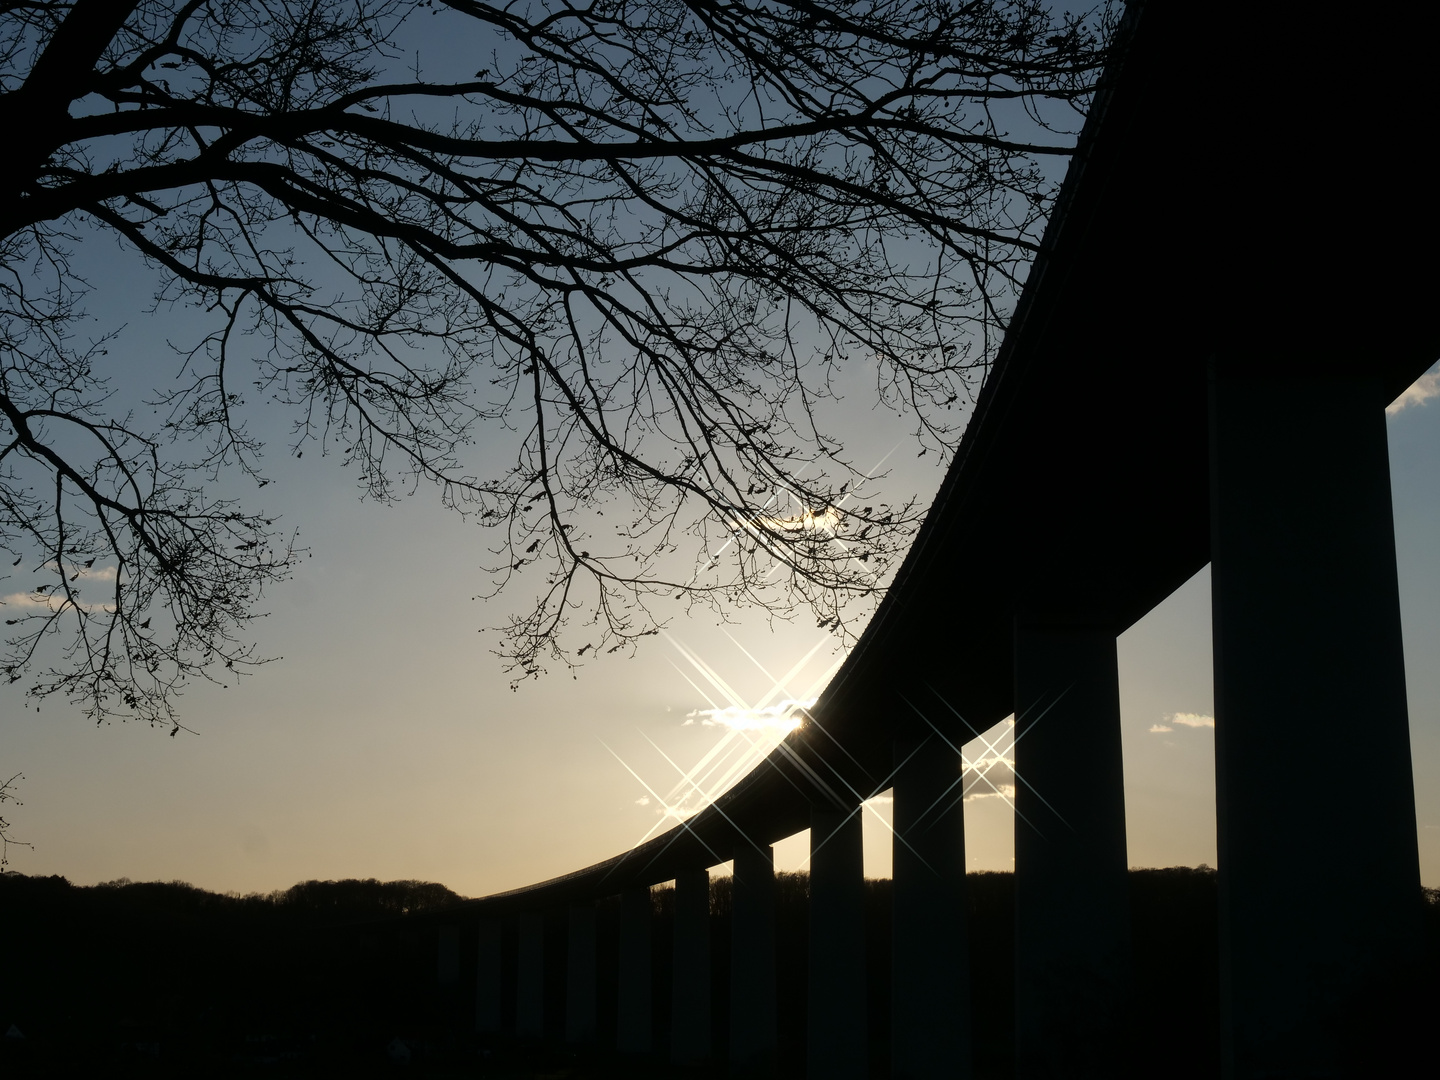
[{"x": 1228, "y": 296}]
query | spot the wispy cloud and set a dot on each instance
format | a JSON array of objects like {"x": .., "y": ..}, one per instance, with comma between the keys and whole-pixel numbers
[
  {"x": 28, "y": 600},
  {"x": 989, "y": 776},
  {"x": 1190, "y": 719},
  {"x": 1417, "y": 393},
  {"x": 1002, "y": 791},
  {"x": 1183, "y": 719},
  {"x": 47, "y": 598},
  {"x": 783, "y": 717}
]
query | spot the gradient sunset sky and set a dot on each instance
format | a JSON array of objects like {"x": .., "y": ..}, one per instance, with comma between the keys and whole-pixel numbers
[{"x": 387, "y": 744}]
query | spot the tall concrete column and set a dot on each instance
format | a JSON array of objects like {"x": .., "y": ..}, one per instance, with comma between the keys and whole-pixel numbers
[
  {"x": 447, "y": 956},
  {"x": 580, "y": 976},
  {"x": 837, "y": 1044},
  {"x": 1319, "y": 868},
  {"x": 489, "y": 978},
  {"x": 930, "y": 959},
  {"x": 754, "y": 1034},
  {"x": 690, "y": 980},
  {"x": 1072, "y": 909},
  {"x": 530, "y": 977},
  {"x": 633, "y": 1013}
]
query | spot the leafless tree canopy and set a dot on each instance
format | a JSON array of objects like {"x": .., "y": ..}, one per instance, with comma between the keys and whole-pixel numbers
[{"x": 641, "y": 236}]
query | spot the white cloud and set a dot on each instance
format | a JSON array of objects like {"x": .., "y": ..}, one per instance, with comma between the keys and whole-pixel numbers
[
  {"x": 1190, "y": 719},
  {"x": 1417, "y": 393},
  {"x": 33, "y": 601},
  {"x": 27, "y": 600},
  {"x": 1002, "y": 791},
  {"x": 990, "y": 776},
  {"x": 55, "y": 599},
  {"x": 783, "y": 717},
  {"x": 643, "y": 800},
  {"x": 1160, "y": 729},
  {"x": 42, "y": 602}
]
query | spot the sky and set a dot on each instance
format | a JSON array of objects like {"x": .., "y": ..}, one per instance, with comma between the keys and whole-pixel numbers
[{"x": 386, "y": 743}]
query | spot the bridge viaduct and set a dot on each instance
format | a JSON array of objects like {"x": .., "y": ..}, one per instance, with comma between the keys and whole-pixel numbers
[{"x": 1239, "y": 276}]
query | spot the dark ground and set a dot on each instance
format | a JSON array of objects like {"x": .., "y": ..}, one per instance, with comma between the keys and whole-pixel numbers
[{"x": 340, "y": 979}]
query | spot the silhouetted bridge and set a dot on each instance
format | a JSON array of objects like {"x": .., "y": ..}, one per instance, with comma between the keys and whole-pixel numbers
[{"x": 1240, "y": 275}]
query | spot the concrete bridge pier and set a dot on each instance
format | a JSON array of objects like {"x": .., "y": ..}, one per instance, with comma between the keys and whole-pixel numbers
[
  {"x": 690, "y": 981},
  {"x": 530, "y": 977},
  {"x": 1319, "y": 866},
  {"x": 632, "y": 1034},
  {"x": 447, "y": 956},
  {"x": 930, "y": 966},
  {"x": 1072, "y": 911},
  {"x": 754, "y": 1034},
  {"x": 580, "y": 976},
  {"x": 489, "y": 978},
  {"x": 837, "y": 1043}
]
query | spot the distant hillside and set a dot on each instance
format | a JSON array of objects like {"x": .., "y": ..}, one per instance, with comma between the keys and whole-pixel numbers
[
  {"x": 162, "y": 978},
  {"x": 324, "y": 901}
]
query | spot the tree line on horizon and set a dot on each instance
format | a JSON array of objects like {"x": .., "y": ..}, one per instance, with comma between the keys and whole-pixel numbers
[{"x": 166, "y": 979}]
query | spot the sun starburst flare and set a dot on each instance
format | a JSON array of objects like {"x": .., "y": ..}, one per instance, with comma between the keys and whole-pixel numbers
[{"x": 750, "y": 732}]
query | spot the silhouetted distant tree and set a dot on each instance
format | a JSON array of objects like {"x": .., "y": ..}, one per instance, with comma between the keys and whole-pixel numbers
[
  {"x": 639, "y": 235},
  {"x": 355, "y": 898}
]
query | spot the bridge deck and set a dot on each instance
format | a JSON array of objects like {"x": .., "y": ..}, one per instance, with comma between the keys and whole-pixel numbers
[{"x": 1230, "y": 202}]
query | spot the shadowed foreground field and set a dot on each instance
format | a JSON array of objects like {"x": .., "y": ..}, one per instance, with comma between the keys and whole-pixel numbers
[{"x": 339, "y": 979}]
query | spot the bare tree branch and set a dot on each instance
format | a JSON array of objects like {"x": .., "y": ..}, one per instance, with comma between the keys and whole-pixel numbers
[
  {"x": 7, "y": 794},
  {"x": 642, "y": 238}
]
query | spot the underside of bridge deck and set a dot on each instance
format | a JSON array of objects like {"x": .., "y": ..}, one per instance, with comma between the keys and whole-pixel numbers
[
  {"x": 1204, "y": 217},
  {"x": 1247, "y": 209}
]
